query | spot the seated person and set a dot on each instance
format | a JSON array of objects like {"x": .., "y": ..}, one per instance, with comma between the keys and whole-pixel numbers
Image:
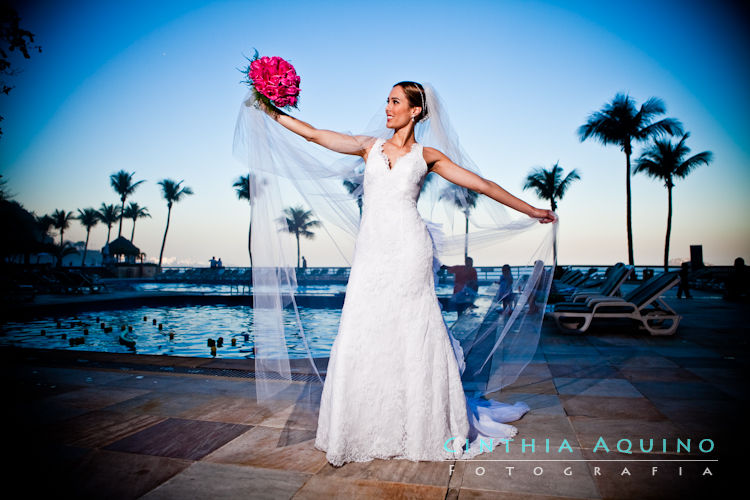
[{"x": 466, "y": 285}]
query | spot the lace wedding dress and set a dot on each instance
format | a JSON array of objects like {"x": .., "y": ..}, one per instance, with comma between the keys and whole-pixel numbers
[{"x": 393, "y": 385}]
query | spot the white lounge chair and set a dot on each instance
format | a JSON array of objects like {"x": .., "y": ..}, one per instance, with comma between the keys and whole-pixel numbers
[{"x": 644, "y": 305}]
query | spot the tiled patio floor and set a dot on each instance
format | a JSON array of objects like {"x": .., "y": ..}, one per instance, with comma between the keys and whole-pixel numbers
[{"x": 79, "y": 423}]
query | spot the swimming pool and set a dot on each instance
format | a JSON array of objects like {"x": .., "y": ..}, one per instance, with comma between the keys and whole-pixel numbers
[
  {"x": 185, "y": 330},
  {"x": 226, "y": 289}
]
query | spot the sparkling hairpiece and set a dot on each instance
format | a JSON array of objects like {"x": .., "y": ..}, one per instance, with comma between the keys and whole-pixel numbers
[{"x": 421, "y": 94}]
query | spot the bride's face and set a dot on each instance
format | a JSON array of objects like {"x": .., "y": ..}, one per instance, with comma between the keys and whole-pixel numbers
[{"x": 398, "y": 112}]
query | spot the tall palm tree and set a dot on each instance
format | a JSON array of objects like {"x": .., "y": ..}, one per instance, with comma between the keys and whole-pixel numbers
[
  {"x": 172, "y": 193},
  {"x": 298, "y": 221},
  {"x": 135, "y": 212},
  {"x": 465, "y": 199},
  {"x": 549, "y": 184},
  {"x": 122, "y": 183},
  {"x": 248, "y": 188},
  {"x": 88, "y": 217},
  {"x": 621, "y": 124},
  {"x": 61, "y": 222},
  {"x": 109, "y": 214},
  {"x": 666, "y": 161}
]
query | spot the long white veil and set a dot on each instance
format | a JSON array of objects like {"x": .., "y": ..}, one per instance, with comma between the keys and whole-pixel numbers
[{"x": 492, "y": 346}]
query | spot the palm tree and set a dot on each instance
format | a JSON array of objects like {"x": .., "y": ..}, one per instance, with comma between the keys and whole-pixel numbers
[
  {"x": 135, "y": 212},
  {"x": 620, "y": 123},
  {"x": 549, "y": 184},
  {"x": 465, "y": 199},
  {"x": 172, "y": 193},
  {"x": 46, "y": 242},
  {"x": 45, "y": 222},
  {"x": 61, "y": 221},
  {"x": 122, "y": 183},
  {"x": 109, "y": 214},
  {"x": 352, "y": 186},
  {"x": 247, "y": 188},
  {"x": 298, "y": 221},
  {"x": 88, "y": 217},
  {"x": 666, "y": 161}
]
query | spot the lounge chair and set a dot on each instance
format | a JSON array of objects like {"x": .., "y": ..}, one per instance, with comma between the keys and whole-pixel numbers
[
  {"x": 579, "y": 280},
  {"x": 644, "y": 305},
  {"x": 590, "y": 279},
  {"x": 570, "y": 275},
  {"x": 608, "y": 288},
  {"x": 568, "y": 283},
  {"x": 65, "y": 281},
  {"x": 573, "y": 279}
]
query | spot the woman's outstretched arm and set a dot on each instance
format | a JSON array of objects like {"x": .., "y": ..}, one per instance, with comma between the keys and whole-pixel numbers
[
  {"x": 443, "y": 166},
  {"x": 335, "y": 141}
]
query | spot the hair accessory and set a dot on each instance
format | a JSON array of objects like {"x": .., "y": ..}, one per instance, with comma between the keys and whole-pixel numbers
[{"x": 421, "y": 94}]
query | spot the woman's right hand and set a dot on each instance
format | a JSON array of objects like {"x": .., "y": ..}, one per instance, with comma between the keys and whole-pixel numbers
[{"x": 544, "y": 216}]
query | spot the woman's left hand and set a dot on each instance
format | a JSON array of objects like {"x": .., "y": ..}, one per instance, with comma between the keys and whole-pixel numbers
[{"x": 544, "y": 216}]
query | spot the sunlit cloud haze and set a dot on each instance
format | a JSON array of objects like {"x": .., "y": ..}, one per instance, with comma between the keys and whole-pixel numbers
[{"x": 153, "y": 87}]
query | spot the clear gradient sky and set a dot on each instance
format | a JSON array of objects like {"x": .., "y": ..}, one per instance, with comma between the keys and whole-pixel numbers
[{"x": 153, "y": 87}]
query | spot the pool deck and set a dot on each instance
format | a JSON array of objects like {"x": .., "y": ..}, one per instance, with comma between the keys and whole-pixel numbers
[{"x": 112, "y": 426}]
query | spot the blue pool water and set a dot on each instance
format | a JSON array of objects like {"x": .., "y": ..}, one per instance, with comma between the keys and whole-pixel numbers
[
  {"x": 191, "y": 327},
  {"x": 211, "y": 289}
]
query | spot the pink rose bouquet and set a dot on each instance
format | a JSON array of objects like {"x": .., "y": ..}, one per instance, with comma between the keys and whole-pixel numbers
[{"x": 274, "y": 81}]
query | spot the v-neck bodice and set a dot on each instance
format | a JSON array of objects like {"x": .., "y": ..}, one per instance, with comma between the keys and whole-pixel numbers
[
  {"x": 388, "y": 162},
  {"x": 388, "y": 185}
]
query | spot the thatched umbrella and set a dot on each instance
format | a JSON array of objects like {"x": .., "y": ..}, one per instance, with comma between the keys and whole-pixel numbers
[{"x": 121, "y": 247}]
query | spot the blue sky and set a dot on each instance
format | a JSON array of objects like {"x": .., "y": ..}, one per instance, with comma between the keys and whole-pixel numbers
[{"x": 153, "y": 87}]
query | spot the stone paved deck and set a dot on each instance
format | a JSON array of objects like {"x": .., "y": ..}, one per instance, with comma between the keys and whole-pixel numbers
[{"x": 124, "y": 426}]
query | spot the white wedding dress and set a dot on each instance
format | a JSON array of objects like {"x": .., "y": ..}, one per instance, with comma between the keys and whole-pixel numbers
[{"x": 393, "y": 384}]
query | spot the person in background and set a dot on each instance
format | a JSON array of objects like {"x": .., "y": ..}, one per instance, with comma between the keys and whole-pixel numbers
[
  {"x": 684, "y": 286},
  {"x": 219, "y": 264},
  {"x": 304, "y": 262},
  {"x": 466, "y": 284},
  {"x": 213, "y": 262},
  {"x": 505, "y": 291},
  {"x": 466, "y": 275}
]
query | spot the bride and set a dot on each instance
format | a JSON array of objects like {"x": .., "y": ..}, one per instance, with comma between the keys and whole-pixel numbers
[{"x": 393, "y": 386}]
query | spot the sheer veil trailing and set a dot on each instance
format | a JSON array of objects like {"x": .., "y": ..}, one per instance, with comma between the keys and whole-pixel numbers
[{"x": 492, "y": 347}]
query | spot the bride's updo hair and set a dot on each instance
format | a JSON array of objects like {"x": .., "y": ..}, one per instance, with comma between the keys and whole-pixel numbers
[{"x": 415, "y": 94}]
